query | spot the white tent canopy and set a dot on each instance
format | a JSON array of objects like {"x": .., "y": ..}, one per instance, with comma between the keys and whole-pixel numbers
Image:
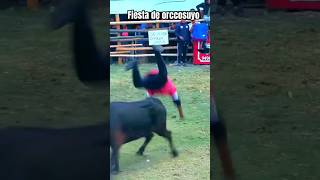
[{"x": 122, "y": 6}]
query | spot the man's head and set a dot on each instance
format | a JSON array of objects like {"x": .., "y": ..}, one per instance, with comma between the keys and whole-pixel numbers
[
  {"x": 183, "y": 21},
  {"x": 201, "y": 11}
]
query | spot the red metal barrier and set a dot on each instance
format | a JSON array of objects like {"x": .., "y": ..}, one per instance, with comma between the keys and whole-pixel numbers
[{"x": 200, "y": 58}]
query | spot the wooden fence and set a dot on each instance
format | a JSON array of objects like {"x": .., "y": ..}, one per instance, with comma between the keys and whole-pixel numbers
[{"x": 130, "y": 49}]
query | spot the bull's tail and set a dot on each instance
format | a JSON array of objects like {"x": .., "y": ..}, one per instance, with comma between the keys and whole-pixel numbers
[
  {"x": 158, "y": 111},
  {"x": 221, "y": 140}
]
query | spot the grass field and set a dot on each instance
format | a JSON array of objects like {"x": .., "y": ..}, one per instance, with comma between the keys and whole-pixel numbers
[
  {"x": 191, "y": 136},
  {"x": 266, "y": 72}
]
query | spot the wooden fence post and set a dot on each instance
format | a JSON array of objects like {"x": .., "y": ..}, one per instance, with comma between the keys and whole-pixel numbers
[{"x": 119, "y": 43}]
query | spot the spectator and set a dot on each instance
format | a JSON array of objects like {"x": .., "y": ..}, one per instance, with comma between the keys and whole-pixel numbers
[
  {"x": 125, "y": 33},
  {"x": 164, "y": 25},
  {"x": 204, "y": 9},
  {"x": 148, "y": 26},
  {"x": 172, "y": 27},
  {"x": 113, "y": 43},
  {"x": 145, "y": 35},
  {"x": 237, "y": 9},
  {"x": 192, "y": 22},
  {"x": 113, "y": 26},
  {"x": 183, "y": 39},
  {"x": 191, "y": 26},
  {"x": 143, "y": 26},
  {"x": 125, "y": 42},
  {"x": 138, "y": 27}
]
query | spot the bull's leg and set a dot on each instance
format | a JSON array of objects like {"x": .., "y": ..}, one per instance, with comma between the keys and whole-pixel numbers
[
  {"x": 146, "y": 142},
  {"x": 118, "y": 138},
  {"x": 167, "y": 134},
  {"x": 115, "y": 160}
]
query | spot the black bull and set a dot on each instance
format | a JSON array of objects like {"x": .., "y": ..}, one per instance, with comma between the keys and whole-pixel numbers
[
  {"x": 132, "y": 120},
  {"x": 79, "y": 153}
]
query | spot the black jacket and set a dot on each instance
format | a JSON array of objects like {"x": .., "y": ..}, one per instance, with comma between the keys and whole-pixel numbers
[
  {"x": 205, "y": 7},
  {"x": 182, "y": 29}
]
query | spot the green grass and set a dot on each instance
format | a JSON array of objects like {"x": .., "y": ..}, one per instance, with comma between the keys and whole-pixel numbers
[
  {"x": 260, "y": 62},
  {"x": 191, "y": 136}
]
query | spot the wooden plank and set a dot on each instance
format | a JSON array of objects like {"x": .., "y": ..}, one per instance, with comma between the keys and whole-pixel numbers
[
  {"x": 125, "y": 45},
  {"x": 146, "y": 55},
  {"x": 119, "y": 52},
  {"x": 135, "y": 39},
  {"x": 126, "y": 37}
]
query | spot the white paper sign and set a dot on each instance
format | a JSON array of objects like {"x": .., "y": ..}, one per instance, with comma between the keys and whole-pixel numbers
[{"x": 158, "y": 37}]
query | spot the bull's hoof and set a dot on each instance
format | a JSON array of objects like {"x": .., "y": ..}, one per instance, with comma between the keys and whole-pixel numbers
[
  {"x": 114, "y": 172},
  {"x": 175, "y": 153}
]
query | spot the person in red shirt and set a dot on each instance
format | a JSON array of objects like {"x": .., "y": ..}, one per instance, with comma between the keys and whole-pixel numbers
[
  {"x": 125, "y": 33},
  {"x": 156, "y": 82}
]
